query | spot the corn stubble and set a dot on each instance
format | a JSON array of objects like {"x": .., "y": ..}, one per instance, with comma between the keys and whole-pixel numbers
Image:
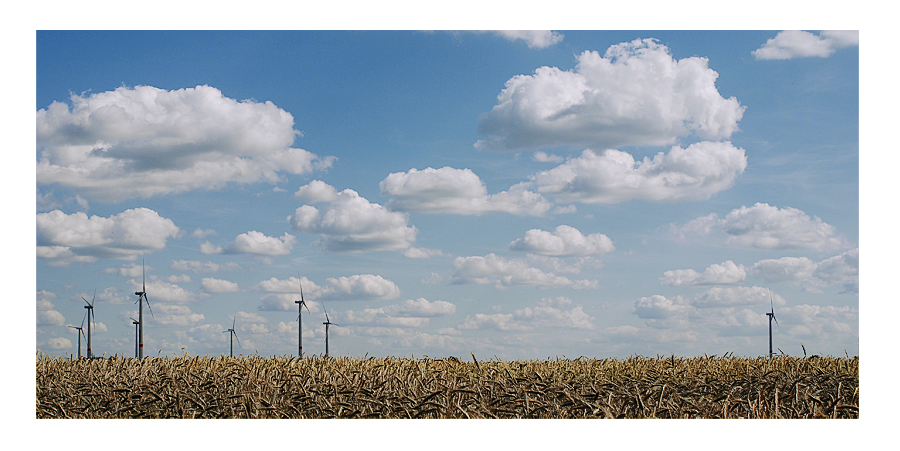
[{"x": 317, "y": 387}]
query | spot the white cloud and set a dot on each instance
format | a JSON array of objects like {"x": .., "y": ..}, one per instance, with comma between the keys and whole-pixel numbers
[
  {"x": 546, "y": 316},
  {"x": 734, "y": 296},
  {"x": 421, "y": 307},
  {"x": 211, "y": 285},
  {"x": 798, "y": 44},
  {"x": 130, "y": 270},
  {"x": 59, "y": 343},
  {"x": 720, "y": 273},
  {"x": 764, "y": 226},
  {"x": 208, "y": 248},
  {"x": 77, "y": 237},
  {"x": 785, "y": 269},
  {"x": 257, "y": 243},
  {"x": 534, "y": 38},
  {"x": 184, "y": 278},
  {"x": 843, "y": 269},
  {"x": 174, "y": 315},
  {"x": 162, "y": 291},
  {"x": 201, "y": 233},
  {"x": 547, "y": 158},
  {"x": 457, "y": 191},
  {"x": 497, "y": 321},
  {"x": 355, "y": 287},
  {"x": 316, "y": 191},
  {"x": 46, "y": 313},
  {"x": 170, "y": 141},
  {"x": 504, "y": 272},
  {"x": 565, "y": 241},
  {"x": 422, "y": 252},
  {"x": 636, "y": 94},
  {"x": 695, "y": 173},
  {"x": 351, "y": 223}
]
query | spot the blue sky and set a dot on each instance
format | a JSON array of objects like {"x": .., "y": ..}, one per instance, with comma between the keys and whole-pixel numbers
[{"x": 531, "y": 195}]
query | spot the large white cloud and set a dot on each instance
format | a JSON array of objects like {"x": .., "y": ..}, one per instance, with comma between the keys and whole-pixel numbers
[
  {"x": 46, "y": 313},
  {"x": 636, "y": 94},
  {"x": 784, "y": 269},
  {"x": 257, "y": 243},
  {"x": 350, "y": 223},
  {"x": 212, "y": 285},
  {"x": 457, "y": 191},
  {"x": 145, "y": 141},
  {"x": 693, "y": 173},
  {"x": 765, "y": 227},
  {"x": 797, "y": 44},
  {"x": 720, "y": 273},
  {"x": 77, "y": 237},
  {"x": 364, "y": 287},
  {"x": 411, "y": 313},
  {"x": 503, "y": 272},
  {"x": 565, "y": 241}
]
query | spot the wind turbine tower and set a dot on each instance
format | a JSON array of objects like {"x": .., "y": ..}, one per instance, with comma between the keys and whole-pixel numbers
[
  {"x": 136, "y": 324},
  {"x": 90, "y": 315},
  {"x": 771, "y": 316},
  {"x": 80, "y": 333},
  {"x": 232, "y": 336},
  {"x": 300, "y": 304},
  {"x": 327, "y": 323},
  {"x": 142, "y": 296}
]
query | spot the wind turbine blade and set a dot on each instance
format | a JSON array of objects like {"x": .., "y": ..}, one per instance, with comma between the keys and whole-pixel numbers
[
  {"x": 236, "y": 337},
  {"x": 95, "y": 296},
  {"x": 148, "y": 305},
  {"x": 82, "y": 319},
  {"x": 143, "y": 277},
  {"x": 85, "y": 300}
]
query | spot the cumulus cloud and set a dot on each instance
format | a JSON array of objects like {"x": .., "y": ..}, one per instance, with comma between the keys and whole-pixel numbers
[
  {"x": 636, "y": 94},
  {"x": 503, "y": 272},
  {"x": 257, "y": 243},
  {"x": 211, "y": 285},
  {"x": 785, "y": 269},
  {"x": 534, "y": 38},
  {"x": 411, "y": 313},
  {"x": 717, "y": 274},
  {"x": 798, "y": 44},
  {"x": 457, "y": 191},
  {"x": 350, "y": 223},
  {"x": 355, "y": 287},
  {"x": 565, "y": 241},
  {"x": 718, "y": 307},
  {"x": 66, "y": 238},
  {"x": 162, "y": 291},
  {"x": 544, "y": 157},
  {"x": 764, "y": 226},
  {"x": 843, "y": 269},
  {"x": 421, "y": 307},
  {"x": 174, "y": 315},
  {"x": 171, "y": 141},
  {"x": 59, "y": 343},
  {"x": 695, "y": 173},
  {"x": 47, "y": 315},
  {"x": 316, "y": 191},
  {"x": 422, "y": 252},
  {"x": 497, "y": 321}
]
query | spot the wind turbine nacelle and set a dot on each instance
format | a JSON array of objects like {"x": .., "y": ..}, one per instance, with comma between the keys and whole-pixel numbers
[{"x": 139, "y": 293}]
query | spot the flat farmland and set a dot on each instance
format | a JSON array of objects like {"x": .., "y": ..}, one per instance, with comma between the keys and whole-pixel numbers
[{"x": 346, "y": 387}]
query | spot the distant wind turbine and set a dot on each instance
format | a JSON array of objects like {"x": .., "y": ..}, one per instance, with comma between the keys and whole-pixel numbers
[
  {"x": 80, "y": 333},
  {"x": 233, "y": 336},
  {"x": 327, "y": 323},
  {"x": 300, "y": 303},
  {"x": 136, "y": 324},
  {"x": 90, "y": 315},
  {"x": 142, "y": 296},
  {"x": 771, "y": 316}
]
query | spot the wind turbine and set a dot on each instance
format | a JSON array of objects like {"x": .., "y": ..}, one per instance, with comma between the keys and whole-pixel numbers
[
  {"x": 136, "y": 323},
  {"x": 233, "y": 336},
  {"x": 80, "y": 333},
  {"x": 90, "y": 314},
  {"x": 771, "y": 316},
  {"x": 327, "y": 323},
  {"x": 300, "y": 303},
  {"x": 142, "y": 295}
]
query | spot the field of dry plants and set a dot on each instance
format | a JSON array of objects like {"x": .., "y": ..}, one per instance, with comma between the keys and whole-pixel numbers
[{"x": 317, "y": 387}]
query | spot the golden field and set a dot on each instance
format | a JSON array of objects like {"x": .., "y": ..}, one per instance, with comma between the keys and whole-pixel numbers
[{"x": 344, "y": 387}]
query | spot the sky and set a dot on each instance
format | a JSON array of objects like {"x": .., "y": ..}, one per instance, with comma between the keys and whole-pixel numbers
[{"x": 518, "y": 195}]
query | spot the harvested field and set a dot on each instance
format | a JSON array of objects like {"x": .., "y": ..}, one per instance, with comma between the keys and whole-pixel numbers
[{"x": 316, "y": 387}]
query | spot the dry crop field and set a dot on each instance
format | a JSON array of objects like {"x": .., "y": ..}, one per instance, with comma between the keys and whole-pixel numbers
[{"x": 317, "y": 387}]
